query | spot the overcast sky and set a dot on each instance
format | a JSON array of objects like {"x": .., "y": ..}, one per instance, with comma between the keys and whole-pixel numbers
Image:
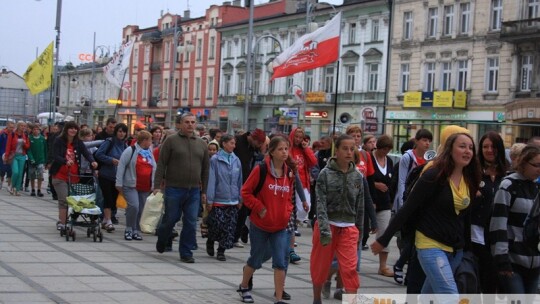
[{"x": 27, "y": 25}]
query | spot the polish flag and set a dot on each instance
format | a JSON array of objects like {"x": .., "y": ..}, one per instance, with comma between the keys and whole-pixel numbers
[{"x": 310, "y": 51}]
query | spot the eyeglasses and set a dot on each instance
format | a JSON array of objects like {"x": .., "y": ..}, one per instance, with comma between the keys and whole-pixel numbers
[{"x": 535, "y": 165}]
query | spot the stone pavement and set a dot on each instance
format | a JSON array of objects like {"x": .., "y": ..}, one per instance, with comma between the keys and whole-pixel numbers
[{"x": 39, "y": 266}]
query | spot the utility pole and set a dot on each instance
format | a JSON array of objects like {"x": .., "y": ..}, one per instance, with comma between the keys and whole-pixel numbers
[{"x": 249, "y": 67}]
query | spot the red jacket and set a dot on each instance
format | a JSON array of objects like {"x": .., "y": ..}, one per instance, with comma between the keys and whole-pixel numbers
[
  {"x": 11, "y": 145},
  {"x": 305, "y": 160},
  {"x": 275, "y": 195}
]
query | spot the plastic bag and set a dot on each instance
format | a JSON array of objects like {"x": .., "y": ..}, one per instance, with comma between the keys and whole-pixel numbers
[
  {"x": 121, "y": 201},
  {"x": 152, "y": 212}
]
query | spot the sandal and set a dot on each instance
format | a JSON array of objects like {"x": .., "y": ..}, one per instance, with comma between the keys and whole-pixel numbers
[
  {"x": 109, "y": 228},
  {"x": 386, "y": 272},
  {"x": 245, "y": 294},
  {"x": 137, "y": 236},
  {"x": 128, "y": 236},
  {"x": 398, "y": 275}
]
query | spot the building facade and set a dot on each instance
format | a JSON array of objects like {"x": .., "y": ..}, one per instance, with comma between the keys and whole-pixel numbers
[
  {"x": 448, "y": 66},
  {"x": 272, "y": 107},
  {"x": 16, "y": 102}
]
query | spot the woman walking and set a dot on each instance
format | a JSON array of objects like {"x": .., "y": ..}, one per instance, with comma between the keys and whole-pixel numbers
[
  {"x": 67, "y": 152},
  {"x": 271, "y": 209},
  {"x": 134, "y": 179},
  {"x": 438, "y": 206},
  {"x": 223, "y": 197},
  {"x": 16, "y": 148}
]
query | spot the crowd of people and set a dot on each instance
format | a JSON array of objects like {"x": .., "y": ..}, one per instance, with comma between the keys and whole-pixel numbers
[{"x": 468, "y": 199}]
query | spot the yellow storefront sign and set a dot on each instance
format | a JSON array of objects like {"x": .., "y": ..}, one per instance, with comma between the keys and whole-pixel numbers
[
  {"x": 315, "y": 97},
  {"x": 114, "y": 101},
  {"x": 442, "y": 99},
  {"x": 412, "y": 100},
  {"x": 460, "y": 100}
]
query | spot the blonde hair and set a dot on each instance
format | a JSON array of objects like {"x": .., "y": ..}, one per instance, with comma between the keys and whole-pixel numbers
[
  {"x": 143, "y": 135},
  {"x": 515, "y": 152}
]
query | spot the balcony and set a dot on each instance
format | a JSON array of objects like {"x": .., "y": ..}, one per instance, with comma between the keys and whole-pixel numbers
[
  {"x": 155, "y": 66},
  {"x": 520, "y": 31}
]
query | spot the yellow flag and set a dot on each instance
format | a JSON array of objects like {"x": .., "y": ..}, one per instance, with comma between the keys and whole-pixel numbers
[{"x": 38, "y": 76}]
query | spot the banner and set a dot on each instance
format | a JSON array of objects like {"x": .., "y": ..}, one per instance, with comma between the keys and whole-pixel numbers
[
  {"x": 310, "y": 51},
  {"x": 115, "y": 70},
  {"x": 38, "y": 76}
]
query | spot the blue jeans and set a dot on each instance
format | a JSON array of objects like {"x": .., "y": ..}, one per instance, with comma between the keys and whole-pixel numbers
[
  {"x": 439, "y": 267},
  {"x": 178, "y": 201},
  {"x": 17, "y": 171},
  {"x": 262, "y": 241},
  {"x": 524, "y": 280}
]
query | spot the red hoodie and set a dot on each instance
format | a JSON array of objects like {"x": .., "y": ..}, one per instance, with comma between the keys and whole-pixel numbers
[
  {"x": 305, "y": 160},
  {"x": 275, "y": 196}
]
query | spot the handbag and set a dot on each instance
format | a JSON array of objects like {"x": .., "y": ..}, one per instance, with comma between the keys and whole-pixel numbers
[
  {"x": 121, "y": 201},
  {"x": 152, "y": 213},
  {"x": 9, "y": 159}
]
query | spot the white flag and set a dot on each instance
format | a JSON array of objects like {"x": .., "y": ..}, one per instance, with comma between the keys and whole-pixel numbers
[{"x": 115, "y": 70}]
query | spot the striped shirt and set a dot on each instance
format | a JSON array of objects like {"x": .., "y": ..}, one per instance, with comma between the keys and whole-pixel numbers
[{"x": 512, "y": 203}]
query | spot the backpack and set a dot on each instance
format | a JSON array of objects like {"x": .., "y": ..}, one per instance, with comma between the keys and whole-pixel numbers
[
  {"x": 263, "y": 170},
  {"x": 109, "y": 148},
  {"x": 392, "y": 187},
  {"x": 411, "y": 180},
  {"x": 466, "y": 274},
  {"x": 531, "y": 225}
]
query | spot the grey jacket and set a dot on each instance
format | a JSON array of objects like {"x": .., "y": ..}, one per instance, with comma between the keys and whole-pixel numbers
[
  {"x": 126, "y": 176},
  {"x": 340, "y": 197}
]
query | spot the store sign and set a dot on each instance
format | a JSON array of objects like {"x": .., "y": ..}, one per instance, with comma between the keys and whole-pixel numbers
[
  {"x": 316, "y": 114},
  {"x": 114, "y": 101},
  {"x": 316, "y": 97},
  {"x": 412, "y": 100},
  {"x": 460, "y": 100},
  {"x": 160, "y": 115},
  {"x": 442, "y": 115},
  {"x": 443, "y": 99}
]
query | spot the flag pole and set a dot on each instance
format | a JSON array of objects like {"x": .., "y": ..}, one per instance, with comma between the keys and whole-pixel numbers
[
  {"x": 335, "y": 101},
  {"x": 120, "y": 92}
]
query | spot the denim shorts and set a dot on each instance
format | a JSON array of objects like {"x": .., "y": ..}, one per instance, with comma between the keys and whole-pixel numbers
[{"x": 262, "y": 241}]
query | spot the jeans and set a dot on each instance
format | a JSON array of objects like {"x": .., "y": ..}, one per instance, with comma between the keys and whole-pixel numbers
[
  {"x": 178, "y": 201},
  {"x": 17, "y": 171},
  {"x": 524, "y": 280},
  {"x": 261, "y": 241},
  {"x": 135, "y": 205},
  {"x": 439, "y": 267}
]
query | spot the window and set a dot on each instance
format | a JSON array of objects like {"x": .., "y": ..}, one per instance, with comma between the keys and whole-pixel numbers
[
  {"x": 329, "y": 79},
  {"x": 229, "y": 49},
  {"x": 167, "y": 51},
  {"x": 210, "y": 87},
  {"x": 165, "y": 90},
  {"x": 492, "y": 75},
  {"x": 433, "y": 17},
  {"x": 211, "y": 49},
  {"x": 257, "y": 83},
  {"x": 533, "y": 10},
  {"x": 243, "y": 47},
  {"x": 446, "y": 76},
  {"x": 144, "y": 89},
  {"x": 465, "y": 9},
  {"x": 448, "y": 22},
  {"x": 496, "y": 12},
  {"x": 407, "y": 25},
  {"x": 227, "y": 82},
  {"x": 185, "y": 88},
  {"x": 352, "y": 33},
  {"x": 526, "y": 72},
  {"x": 197, "y": 87},
  {"x": 134, "y": 91},
  {"x": 176, "y": 88},
  {"x": 291, "y": 39},
  {"x": 375, "y": 30},
  {"x": 404, "y": 78},
  {"x": 462, "y": 75},
  {"x": 199, "y": 49},
  {"x": 271, "y": 85},
  {"x": 147, "y": 55},
  {"x": 351, "y": 73},
  {"x": 373, "y": 77},
  {"x": 430, "y": 77},
  {"x": 309, "y": 81},
  {"x": 289, "y": 82},
  {"x": 241, "y": 82},
  {"x": 186, "y": 55},
  {"x": 135, "y": 58}
]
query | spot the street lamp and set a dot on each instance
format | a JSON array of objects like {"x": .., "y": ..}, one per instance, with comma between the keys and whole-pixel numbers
[
  {"x": 103, "y": 58},
  {"x": 298, "y": 95},
  {"x": 175, "y": 49}
]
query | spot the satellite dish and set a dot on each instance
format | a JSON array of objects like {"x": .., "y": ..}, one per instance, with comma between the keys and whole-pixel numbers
[{"x": 430, "y": 154}]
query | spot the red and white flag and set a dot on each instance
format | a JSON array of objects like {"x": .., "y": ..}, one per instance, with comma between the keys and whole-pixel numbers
[
  {"x": 115, "y": 70},
  {"x": 310, "y": 51}
]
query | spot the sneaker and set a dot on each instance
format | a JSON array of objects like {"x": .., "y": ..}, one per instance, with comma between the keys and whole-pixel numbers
[
  {"x": 39, "y": 193},
  {"x": 398, "y": 275},
  {"x": 238, "y": 245},
  {"x": 33, "y": 193},
  {"x": 221, "y": 256},
  {"x": 293, "y": 257},
  {"x": 338, "y": 294},
  {"x": 210, "y": 247},
  {"x": 137, "y": 236},
  {"x": 160, "y": 247},
  {"x": 365, "y": 247},
  {"x": 189, "y": 260},
  {"x": 297, "y": 233},
  {"x": 245, "y": 294},
  {"x": 326, "y": 289},
  {"x": 60, "y": 226},
  {"x": 284, "y": 296},
  {"x": 128, "y": 236},
  {"x": 114, "y": 220}
]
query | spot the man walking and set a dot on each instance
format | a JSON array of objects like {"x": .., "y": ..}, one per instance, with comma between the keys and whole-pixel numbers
[{"x": 182, "y": 175}]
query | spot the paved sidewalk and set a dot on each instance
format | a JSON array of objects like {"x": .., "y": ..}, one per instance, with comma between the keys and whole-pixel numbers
[{"x": 38, "y": 266}]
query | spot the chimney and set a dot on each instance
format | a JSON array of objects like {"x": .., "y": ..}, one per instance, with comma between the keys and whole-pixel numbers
[
  {"x": 227, "y": 3},
  {"x": 237, "y": 3},
  {"x": 187, "y": 14}
]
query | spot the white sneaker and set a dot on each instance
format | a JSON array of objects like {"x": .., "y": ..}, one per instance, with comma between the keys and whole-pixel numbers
[{"x": 238, "y": 245}]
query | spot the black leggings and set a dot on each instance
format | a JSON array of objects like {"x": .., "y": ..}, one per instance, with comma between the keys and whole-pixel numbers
[{"x": 110, "y": 194}]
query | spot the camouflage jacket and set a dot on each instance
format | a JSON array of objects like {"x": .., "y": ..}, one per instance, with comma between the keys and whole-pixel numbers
[{"x": 340, "y": 197}]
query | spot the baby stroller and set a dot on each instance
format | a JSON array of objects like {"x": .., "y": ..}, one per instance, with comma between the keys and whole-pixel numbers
[{"x": 82, "y": 210}]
